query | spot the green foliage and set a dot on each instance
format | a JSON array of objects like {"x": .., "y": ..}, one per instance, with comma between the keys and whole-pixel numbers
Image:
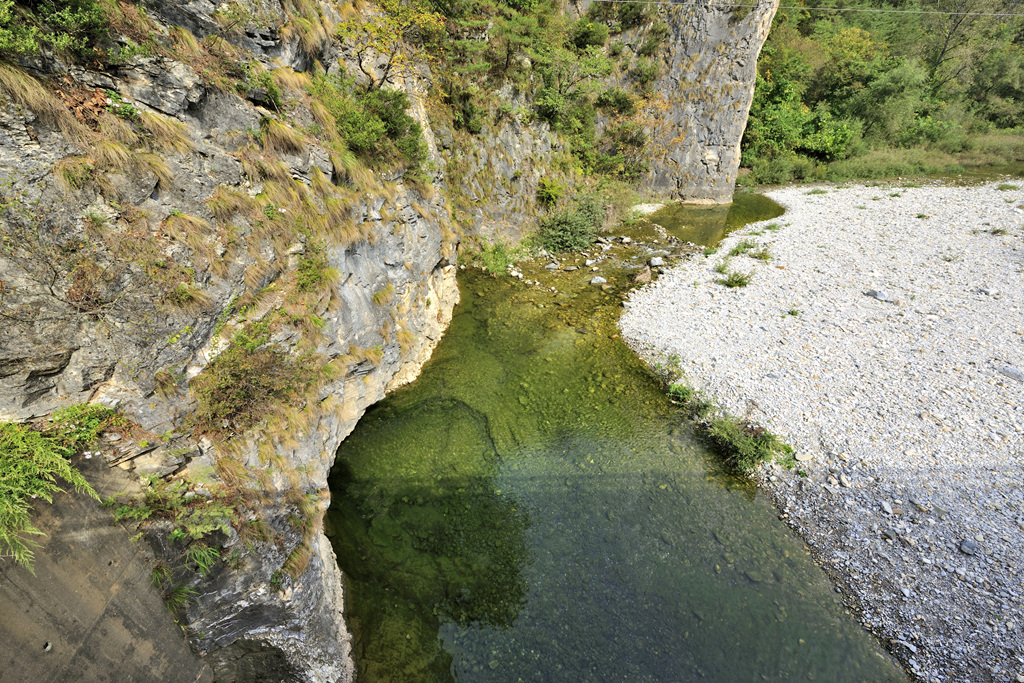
[
  {"x": 839, "y": 94},
  {"x": 246, "y": 381},
  {"x": 200, "y": 517},
  {"x": 194, "y": 516},
  {"x": 121, "y": 109},
  {"x": 644, "y": 73},
  {"x": 202, "y": 556},
  {"x": 587, "y": 34},
  {"x": 70, "y": 26},
  {"x": 497, "y": 257},
  {"x": 742, "y": 247},
  {"x": 373, "y": 123},
  {"x": 623, "y": 151},
  {"x": 655, "y": 37},
  {"x": 179, "y": 596},
  {"x": 743, "y": 444},
  {"x": 467, "y": 115},
  {"x": 633, "y": 14},
  {"x": 549, "y": 191},
  {"x": 313, "y": 271},
  {"x": 32, "y": 460},
  {"x": 572, "y": 229},
  {"x": 616, "y": 102}
]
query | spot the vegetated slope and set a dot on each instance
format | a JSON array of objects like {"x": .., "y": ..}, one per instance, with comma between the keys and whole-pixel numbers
[{"x": 882, "y": 89}]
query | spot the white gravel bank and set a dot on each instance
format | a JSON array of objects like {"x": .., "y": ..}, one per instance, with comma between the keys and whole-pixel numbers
[{"x": 912, "y": 409}]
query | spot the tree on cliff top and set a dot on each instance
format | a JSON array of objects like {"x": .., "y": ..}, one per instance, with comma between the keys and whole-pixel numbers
[{"x": 382, "y": 45}]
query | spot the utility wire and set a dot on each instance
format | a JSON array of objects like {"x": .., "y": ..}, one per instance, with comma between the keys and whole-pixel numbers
[{"x": 813, "y": 9}]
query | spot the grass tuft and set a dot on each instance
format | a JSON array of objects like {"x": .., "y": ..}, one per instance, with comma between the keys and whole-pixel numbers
[
  {"x": 277, "y": 137},
  {"x": 30, "y": 93},
  {"x": 166, "y": 135},
  {"x": 742, "y": 247},
  {"x": 743, "y": 445},
  {"x": 735, "y": 279}
]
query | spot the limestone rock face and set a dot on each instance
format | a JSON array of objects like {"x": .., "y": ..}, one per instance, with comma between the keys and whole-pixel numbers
[
  {"x": 705, "y": 86},
  {"x": 103, "y": 329}
]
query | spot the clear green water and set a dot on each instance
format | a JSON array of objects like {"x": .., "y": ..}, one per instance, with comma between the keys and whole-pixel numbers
[
  {"x": 708, "y": 224},
  {"x": 534, "y": 509}
]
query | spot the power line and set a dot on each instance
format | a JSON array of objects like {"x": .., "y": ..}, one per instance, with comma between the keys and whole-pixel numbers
[{"x": 815, "y": 9}]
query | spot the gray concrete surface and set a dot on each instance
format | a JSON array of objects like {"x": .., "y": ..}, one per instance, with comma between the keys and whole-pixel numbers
[{"x": 89, "y": 612}]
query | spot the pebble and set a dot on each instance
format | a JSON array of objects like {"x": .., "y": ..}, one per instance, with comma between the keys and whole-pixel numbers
[
  {"x": 920, "y": 396},
  {"x": 844, "y": 481},
  {"x": 969, "y": 546},
  {"x": 1012, "y": 373},
  {"x": 598, "y": 280},
  {"x": 656, "y": 261}
]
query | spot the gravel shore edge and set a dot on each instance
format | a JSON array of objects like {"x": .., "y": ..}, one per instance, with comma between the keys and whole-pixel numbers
[{"x": 882, "y": 335}]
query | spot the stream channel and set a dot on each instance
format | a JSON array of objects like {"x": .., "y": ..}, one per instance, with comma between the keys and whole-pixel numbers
[{"x": 533, "y": 508}]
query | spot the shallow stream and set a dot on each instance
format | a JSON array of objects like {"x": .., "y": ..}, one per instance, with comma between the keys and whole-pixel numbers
[{"x": 533, "y": 508}]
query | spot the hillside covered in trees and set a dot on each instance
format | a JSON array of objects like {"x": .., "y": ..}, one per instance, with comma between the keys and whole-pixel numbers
[{"x": 875, "y": 88}]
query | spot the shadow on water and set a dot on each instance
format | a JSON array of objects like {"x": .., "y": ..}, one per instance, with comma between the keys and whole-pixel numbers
[{"x": 534, "y": 508}]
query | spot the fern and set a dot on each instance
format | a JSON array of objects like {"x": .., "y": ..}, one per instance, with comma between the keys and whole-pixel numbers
[{"x": 33, "y": 462}]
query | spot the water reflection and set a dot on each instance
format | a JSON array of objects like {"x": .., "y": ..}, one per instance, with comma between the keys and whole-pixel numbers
[{"x": 707, "y": 224}]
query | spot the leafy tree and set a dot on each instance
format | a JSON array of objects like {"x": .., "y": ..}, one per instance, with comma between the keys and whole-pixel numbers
[
  {"x": 388, "y": 38},
  {"x": 511, "y": 36}
]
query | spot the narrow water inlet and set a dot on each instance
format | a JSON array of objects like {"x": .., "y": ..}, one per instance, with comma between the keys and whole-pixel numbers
[{"x": 533, "y": 508}]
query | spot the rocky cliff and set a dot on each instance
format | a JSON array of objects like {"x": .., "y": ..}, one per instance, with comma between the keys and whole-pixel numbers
[
  {"x": 185, "y": 239},
  {"x": 704, "y": 93}
]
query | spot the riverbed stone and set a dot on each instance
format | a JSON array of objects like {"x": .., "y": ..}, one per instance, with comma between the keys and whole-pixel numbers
[
  {"x": 881, "y": 295},
  {"x": 1012, "y": 373}
]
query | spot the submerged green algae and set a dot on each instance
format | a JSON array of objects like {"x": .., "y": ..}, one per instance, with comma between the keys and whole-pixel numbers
[{"x": 533, "y": 508}]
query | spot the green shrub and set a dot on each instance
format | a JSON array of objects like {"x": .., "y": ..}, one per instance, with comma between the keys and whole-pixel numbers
[
  {"x": 246, "y": 381},
  {"x": 313, "y": 271},
  {"x": 497, "y": 257},
  {"x": 572, "y": 229},
  {"x": 589, "y": 34},
  {"x": 69, "y": 26},
  {"x": 744, "y": 445},
  {"x": 549, "y": 191},
  {"x": 32, "y": 459},
  {"x": 633, "y": 14},
  {"x": 373, "y": 124},
  {"x": 616, "y": 102},
  {"x": 644, "y": 73},
  {"x": 467, "y": 115},
  {"x": 742, "y": 247},
  {"x": 735, "y": 279},
  {"x": 198, "y": 519}
]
